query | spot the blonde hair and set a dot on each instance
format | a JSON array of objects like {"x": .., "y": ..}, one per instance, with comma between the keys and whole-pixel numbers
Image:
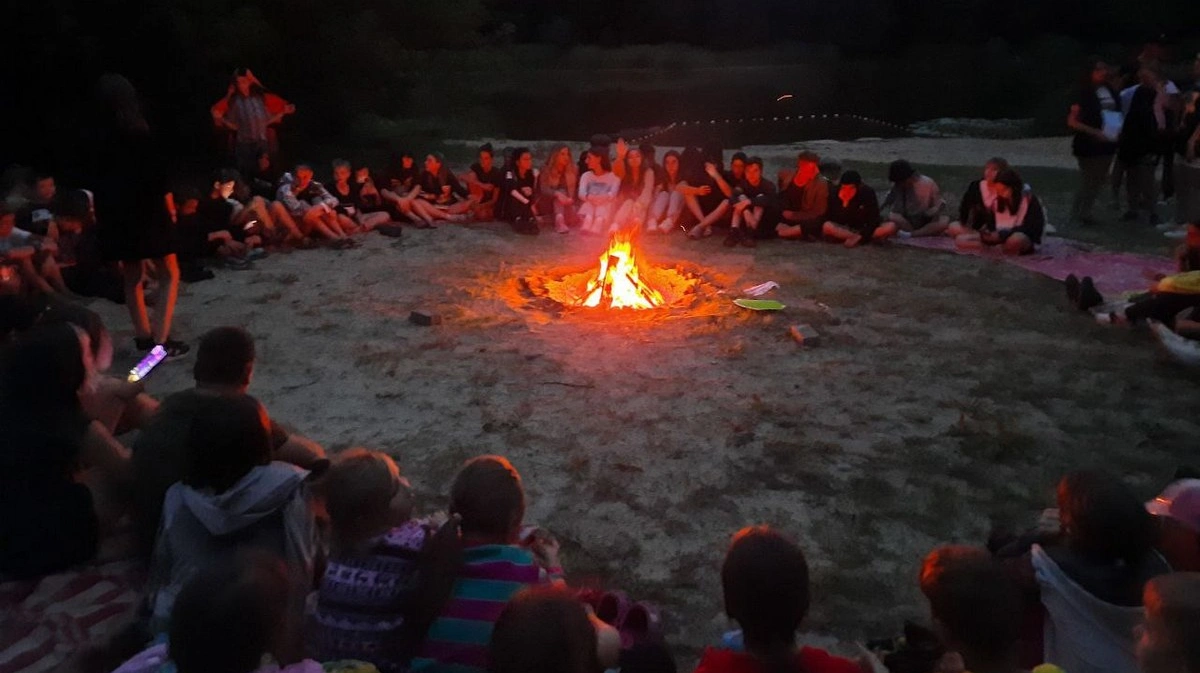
[
  {"x": 359, "y": 488},
  {"x": 566, "y": 178}
]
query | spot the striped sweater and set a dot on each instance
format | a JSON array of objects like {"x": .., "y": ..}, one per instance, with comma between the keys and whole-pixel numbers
[{"x": 458, "y": 640}]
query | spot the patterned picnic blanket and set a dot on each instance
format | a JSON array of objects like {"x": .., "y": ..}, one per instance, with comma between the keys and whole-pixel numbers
[{"x": 45, "y": 622}]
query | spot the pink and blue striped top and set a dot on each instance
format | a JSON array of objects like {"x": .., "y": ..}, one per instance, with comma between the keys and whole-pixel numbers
[{"x": 458, "y": 639}]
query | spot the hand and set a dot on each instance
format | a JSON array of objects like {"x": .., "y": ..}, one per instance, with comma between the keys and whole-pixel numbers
[
  {"x": 527, "y": 191},
  {"x": 710, "y": 168},
  {"x": 289, "y": 109},
  {"x": 704, "y": 191},
  {"x": 563, "y": 198},
  {"x": 49, "y": 246},
  {"x": 622, "y": 148},
  {"x": 545, "y": 549},
  {"x": 1049, "y": 522}
]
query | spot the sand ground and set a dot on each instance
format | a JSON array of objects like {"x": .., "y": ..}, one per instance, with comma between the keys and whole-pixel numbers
[{"x": 947, "y": 393}]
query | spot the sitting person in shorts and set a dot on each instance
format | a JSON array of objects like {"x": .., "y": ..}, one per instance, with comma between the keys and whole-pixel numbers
[
  {"x": 231, "y": 230},
  {"x": 854, "y": 214},
  {"x": 915, "y": 202},
  {"x": 485, "y": 180},
  {"x": 442, "y": 196},
  {"x": 804, "y": 201},
  {"x": 358, "y": 206}
]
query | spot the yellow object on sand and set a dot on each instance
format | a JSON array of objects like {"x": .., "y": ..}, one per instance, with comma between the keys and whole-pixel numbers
[
  {"x": 1181, "y": 283},
  {"x": 1047, "y": 668}
]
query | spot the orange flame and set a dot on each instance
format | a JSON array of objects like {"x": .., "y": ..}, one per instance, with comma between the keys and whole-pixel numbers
[{"x": 617, "y": 285}]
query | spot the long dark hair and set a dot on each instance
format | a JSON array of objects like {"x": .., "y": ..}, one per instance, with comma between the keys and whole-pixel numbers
[
  {"x": 1011, "y": 179},
  {"x": 975, "y": 599},
  {"x": 544, "y": 629},
  {"x": 631, "y": 184},
  {"x": 1103, "y": 519},
  {"x": 487, "y": 502},
  {"x": 765, "y": 582},
  {"x": 678, "y": 175},
  {"x": 605, "y": 162},
  {"x": 120, "y": 100}
]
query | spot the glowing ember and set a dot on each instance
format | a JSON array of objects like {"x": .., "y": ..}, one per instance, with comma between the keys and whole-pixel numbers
[{"x": 618, "y": 284}]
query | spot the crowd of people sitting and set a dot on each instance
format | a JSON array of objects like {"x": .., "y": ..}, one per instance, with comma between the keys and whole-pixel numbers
[{"x": 262, "y": 550}]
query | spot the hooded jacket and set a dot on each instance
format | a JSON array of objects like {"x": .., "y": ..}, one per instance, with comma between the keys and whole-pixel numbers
[{"x": 267, "y": 509}]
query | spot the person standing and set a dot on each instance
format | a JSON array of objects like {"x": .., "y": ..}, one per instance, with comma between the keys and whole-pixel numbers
[
  {"x": 1141, "y": 143},
  {"x": 135, "y": 212},
  {"x": 250, "y": 112},
  {"x": 1095, "y": 118}
]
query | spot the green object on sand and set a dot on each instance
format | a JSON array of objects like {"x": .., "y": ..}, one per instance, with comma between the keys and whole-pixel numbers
[{"x": 759, "y": 304}]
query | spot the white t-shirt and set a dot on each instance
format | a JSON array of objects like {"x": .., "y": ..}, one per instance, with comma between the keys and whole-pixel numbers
[{"x": 598, "y": 185}]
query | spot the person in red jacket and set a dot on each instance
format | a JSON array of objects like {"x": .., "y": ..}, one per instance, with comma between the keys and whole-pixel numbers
[{"x": 765, "y": 580}]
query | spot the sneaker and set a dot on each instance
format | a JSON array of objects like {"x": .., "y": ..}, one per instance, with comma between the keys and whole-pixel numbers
[
  {"x": 651, "y": 227},
  {"x": 1166, "y": 226},
  {"x": 175, "y": 349},
  {"x": 257, "y": 254},
  {"x": 748, "y": 240},
  {"x": 1089, "y": 296},
  {"x": 1072, "y": 285},
  {"x": 903, "y": 234},
  {"x": 237, "y": 263},
  {"x": 733, "y": 238},
  {"x": 1176, "y": 235},
  {"x": 561, "y": 227},
  {"x": 698, "y": 232}
]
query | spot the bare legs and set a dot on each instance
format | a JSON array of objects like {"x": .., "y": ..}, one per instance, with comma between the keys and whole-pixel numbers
[
  {"x": 935, "y": 227},
  {"x": 166, "y": 273},
  {"x": 853, "y": 239}
]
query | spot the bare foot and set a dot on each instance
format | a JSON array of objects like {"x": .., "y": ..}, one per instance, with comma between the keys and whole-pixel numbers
[{"x": 853, "y": 242}]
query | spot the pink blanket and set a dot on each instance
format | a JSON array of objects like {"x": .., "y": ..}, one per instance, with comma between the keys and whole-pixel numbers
[{"x": 1113, "y": 272}]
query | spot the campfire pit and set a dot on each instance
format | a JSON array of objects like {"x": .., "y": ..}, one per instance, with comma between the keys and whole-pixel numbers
[{"x": 621, "y": 281}]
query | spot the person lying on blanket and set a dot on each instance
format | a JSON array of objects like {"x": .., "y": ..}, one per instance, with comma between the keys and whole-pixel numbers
[{"x": 1173, "y": 300}]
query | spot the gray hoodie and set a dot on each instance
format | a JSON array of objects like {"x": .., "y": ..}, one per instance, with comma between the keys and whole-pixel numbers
[{"x": 267, "y": 509}]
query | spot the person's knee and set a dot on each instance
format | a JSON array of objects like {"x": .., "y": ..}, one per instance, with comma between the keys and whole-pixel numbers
[{"x": 1017, "y": 244}]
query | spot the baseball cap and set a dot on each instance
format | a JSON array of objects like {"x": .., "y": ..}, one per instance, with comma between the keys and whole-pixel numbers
[
  {"x": 1179, "y": 501},
  {"x": 851, "y": 178}
]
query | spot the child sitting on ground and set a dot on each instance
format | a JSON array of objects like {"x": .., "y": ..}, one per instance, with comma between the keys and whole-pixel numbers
[
  {"x": 474, "y": 565},
  {"x": 1170, "y": 637},
  {"x": 369, "y": 583},
  {"x": 765, "y": 580},
  {"x": 231, "y": 618},
  {"x": 31, "y": 256},
  {"x": 544, "y": 629}
]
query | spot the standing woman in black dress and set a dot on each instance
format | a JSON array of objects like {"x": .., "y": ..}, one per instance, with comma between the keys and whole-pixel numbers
[{"x": 135, "y": 211}]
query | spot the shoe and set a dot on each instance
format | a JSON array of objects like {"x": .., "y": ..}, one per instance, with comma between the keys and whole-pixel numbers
[
  {"x": 142, "y": 345},
  {"x": 666, "y": 226},
  {"x": 733, "y": 237},
  {"x": 1072, "y": 285},
  {"x": 1167, "y": 226},
  {"x": 561, "y": 227},
  {"x": 612, "y": 608},
  {"x": 257, "y": 254},
  {"x": 651, "y": 227},
  {"x": 642, "y": 624},
  {"x": 175, "y": 349},
  {"x": 903, "y": 234},
  {"x": 749, "y": 240},
  {"x": 1089, "y": 296},
  {"x": 698, "y": 232},
  {"x": 1176, "y": 235},
  {"x": 237, "y": 263}
]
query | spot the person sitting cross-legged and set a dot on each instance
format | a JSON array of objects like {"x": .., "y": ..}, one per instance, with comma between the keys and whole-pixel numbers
[
  {"x": 804, "y": 200},
  {"x": 915, "y": 202},
  {"x": 307, "y": 200},
  {"x": 854, "y": 214},
  {"x": 1015, "y": 219},
  {"x": 754, "y": 207}
]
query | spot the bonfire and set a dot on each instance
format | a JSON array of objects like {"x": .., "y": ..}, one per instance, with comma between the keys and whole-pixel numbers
[
  {"x": 618, "y": 283},
  {"x": 621, "y": 280}
]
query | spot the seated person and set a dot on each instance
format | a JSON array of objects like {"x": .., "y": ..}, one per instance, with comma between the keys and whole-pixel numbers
[
  {"x": 1087, "y": 579},
  {"x": 485, "y": 180},
  {"x": 231, "y": 499},
  {"x": 1173, "y": 300},
  {"x": 224, "y": 366},
  {"x": 547, "y": 629},
  {"x": 192, "y": 245},
  {"x": 854, "y": 214},
  {"x": 1015, "y": 219},
  {"x": 1169, "y": 641},
  {"x": 83, "y": 267},
  {"x": 308, "y": 201},
  {"x": 119, "y": 405},
  {"x": 707, "y": 195},
  {"x": 442, "y": 196},
  {"x": 370, "y": 581},
  {"x": 1177, "y": 511},
  {"x": 637, "y": 192},
  {"x": 62, "y": 474},
  {"x": 557, "y": 187},
  {"x": 766, "y": 587},
  {"x": 737, "y": 169},
  {"x": 356, "y": 210},
  {"x": 264, "y": 179},
  {"x": 915, "y": 202},
  {"x": 231, "y": 228},
  {"x": 518, "y": 203},
  {"x": 230, "y": 617},
  {"x": 31, "y": 256},
  {"x": 401, "y": 188},
  {"x": 599, "y": 188},
  {"x": 754, "y": 207},
  {"x": 976, "y": 607},
  {"x": 978, "y": 206},
  {"x": 38, "y": 215},
  {"x": 804, "y": 201},
  {"x": 667, "y": 210}
]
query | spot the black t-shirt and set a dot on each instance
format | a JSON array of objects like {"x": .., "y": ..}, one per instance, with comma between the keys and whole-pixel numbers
[
  {"x": 265, "y": 183},
  {"x": 348, "y": 201},
  {"x": 217, "y": 212},
  {"x": 1091, "y": 112},
  {"x": 861, "y": 214},
  {"x": 402, "y": 179},
  {"x": 494, "y": 177},
  {"x": 763, "y": 188},
  {"x": 432, "y": 184},
  {"x": 526, "y": 185}
]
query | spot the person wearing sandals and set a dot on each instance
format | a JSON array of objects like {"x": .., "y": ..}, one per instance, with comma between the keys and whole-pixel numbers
[
  {"x": 766, "y": 586},
  {"x": 474, "y": 565},
  {"x": 308, "y": 201}
]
